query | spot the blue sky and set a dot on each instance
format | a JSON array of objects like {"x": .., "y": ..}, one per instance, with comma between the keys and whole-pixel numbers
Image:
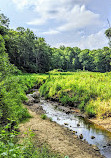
[{"x": 71, "y": 23}]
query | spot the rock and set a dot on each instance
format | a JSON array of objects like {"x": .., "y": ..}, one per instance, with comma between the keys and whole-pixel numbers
[
  {"x": 78, "y": 125},
  {"x": 108, "y": 144},
  {"x": 67, "y": 112},
  {"x": 92, "y": 137},
  {"x": 95, "y": 147},
  {"x": 36, "y": 95},
  {"x": 74, "y": 132},
  {"x": 66, "y": 124},
  {"x": 36, "y": 100},
  {"x": 81, "y": 136},
  {"x": 31, "y": 100}
]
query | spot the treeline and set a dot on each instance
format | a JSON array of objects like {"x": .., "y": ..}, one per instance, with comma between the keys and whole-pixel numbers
[{"x": 32, "y": 54}]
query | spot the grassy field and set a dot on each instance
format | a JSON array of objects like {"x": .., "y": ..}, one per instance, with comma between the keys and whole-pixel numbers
[{"x": 88, "y": 91}]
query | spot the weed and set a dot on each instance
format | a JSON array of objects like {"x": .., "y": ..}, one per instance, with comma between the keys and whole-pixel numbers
[
  {"x": 50, "y": 119},
  {"x": 43, "y": 116}
]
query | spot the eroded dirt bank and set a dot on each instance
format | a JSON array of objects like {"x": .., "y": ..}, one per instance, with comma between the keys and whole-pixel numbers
[
  {"x": 105, "y": 123},
  {"x": 60, "y": 139}
]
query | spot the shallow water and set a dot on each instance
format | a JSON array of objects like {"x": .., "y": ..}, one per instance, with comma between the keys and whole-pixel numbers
[{"x": 87, "y": 129}]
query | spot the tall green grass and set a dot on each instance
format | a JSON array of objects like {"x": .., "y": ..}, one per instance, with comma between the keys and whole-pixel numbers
[
  {"x": 88, "y": 91},
  {"x": 13, "y": 94}
]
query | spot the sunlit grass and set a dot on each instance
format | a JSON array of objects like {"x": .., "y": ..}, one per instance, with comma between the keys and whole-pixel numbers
[{"x": 89, "y": 91}]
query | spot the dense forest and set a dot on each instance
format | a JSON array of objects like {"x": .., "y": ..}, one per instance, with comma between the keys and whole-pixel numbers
[{"x": 30, "y": 53}]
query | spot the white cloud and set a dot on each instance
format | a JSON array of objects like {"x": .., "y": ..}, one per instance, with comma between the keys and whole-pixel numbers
[
  {"x": 21, "y": 3},
  {"x": 40, "y": 21},
  {"x": 70, "y": 12},
  {"x": 93, "y": 41},
  {"x": 51, "y": 32},
  {"x": 79, "y": 17}
]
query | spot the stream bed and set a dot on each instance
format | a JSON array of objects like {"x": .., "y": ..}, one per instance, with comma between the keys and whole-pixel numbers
[{"x": 91, "y": 132}]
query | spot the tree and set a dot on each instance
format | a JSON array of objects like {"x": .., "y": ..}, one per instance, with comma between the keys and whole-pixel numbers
[
  {"x": 42, "y": 55},
  {"x": 76, "y": 62},
  {"x": 4, "y": 21},
  {"x": 85, "y": 59},
  {"x": 108, "y": 35},
  {"x": 102, "y": 59}
]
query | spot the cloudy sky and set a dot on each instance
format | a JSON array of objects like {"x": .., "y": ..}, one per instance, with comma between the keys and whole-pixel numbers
[{"x": 72, "y": 23}]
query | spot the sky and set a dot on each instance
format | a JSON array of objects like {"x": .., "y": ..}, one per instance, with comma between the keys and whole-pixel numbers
[{"x": 72, "y": 23}]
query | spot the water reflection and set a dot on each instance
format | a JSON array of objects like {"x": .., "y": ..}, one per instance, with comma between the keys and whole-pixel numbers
[{"x": 82, "y": 126}]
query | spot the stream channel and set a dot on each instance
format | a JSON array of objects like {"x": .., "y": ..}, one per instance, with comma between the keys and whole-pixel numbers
[{"x": 101, "y": 137}]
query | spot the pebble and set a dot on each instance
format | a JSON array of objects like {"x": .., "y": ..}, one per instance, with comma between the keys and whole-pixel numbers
[
  {"x": 109, "y": 144},
  {"x": 66, "y": 124},
  {"x": 95, "y": 147},
  {"x": 92, "y": 137},
  {"x": 74, "y": 132},
  {"x": 78, "y": 125},
  {"x": 81, "y": 136}
]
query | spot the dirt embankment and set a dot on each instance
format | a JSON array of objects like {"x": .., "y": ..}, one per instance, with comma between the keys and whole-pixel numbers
[
  {"x": 60, "y": 139},
  {"x": 105, "y": 123}
]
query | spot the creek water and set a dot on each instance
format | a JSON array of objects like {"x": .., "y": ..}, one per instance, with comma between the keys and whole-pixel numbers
[{"x": 102, "y": 137}]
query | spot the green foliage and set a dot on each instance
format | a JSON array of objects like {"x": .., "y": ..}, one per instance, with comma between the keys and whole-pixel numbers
[
  {"x": 12, "y": 94},
  {"x": 90, "y": 92},
  {"x": 108, "y": 35},
  {"x": 4, "y": 21},
  {"x": 43, "y": 116},
  {"x": 50, "y": 119},
  {"x": 6, "y": 69},
  {"x": 28, "y": 148},
  {"x": 26, "y": 51}
]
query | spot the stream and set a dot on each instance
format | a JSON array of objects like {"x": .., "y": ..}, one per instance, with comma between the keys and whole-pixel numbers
[
  {"x": 101, "y": 137},
  {"x": 92, "y": 133}
]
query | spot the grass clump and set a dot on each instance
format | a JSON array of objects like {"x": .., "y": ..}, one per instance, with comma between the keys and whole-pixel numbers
[{"x": 43, "y": 116}]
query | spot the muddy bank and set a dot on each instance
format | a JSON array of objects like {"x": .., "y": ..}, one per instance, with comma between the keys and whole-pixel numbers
[
  {"x": 105, "y": 123},
  {"x": 74, "y": 120},
  {"x": 60, "y": 139}
]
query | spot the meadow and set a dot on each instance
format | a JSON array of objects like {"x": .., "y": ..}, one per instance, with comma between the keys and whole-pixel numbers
[{"x": 88, "y": 91}]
